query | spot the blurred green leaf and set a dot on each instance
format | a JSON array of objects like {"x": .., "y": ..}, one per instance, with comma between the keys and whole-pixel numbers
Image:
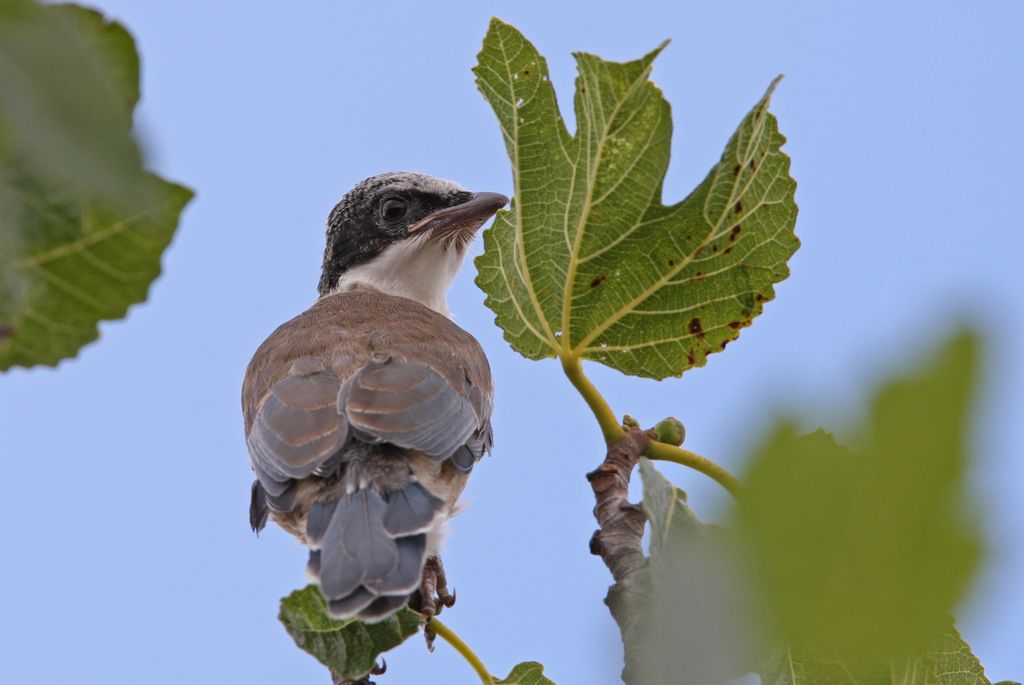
[
  {"x": 82, "y": 225},
  {"x": 76, "y": 264},
  {"x": 699, "y": 627},
  {"x": 69, "y": 81},
  {"x": 868, "y": 550},
  {"x": 526, "y": 673},
  {"x": 588, "y": 261},
  {"x": 946, "y": 661},
  {"x": 349, "y": 648}
]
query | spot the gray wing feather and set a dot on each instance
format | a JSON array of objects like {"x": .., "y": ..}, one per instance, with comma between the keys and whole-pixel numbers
[
  {"x": 278, "y": 494},
  {"x": 355, "y": 548},
  {"x": 362, "y": 570},
  {"x": 383, "y": 607},
  {"x": 410, "y": 510},
  {"x": 272, "y": 487},
  {"x": 258, "y": 508},
  {"x": 351, "y": 604},
  {"x": 313, "y": 565},
  {"x": 340, "y": 575},
  {"x": 297, "y": 429},
  {"x": 406, "y": 577},
  {"x": 409, "y": 405},
  {"x": 464, "y": 459},
  {"x": 363, "y": 536},
  {"x": 473, "y": 451},
  {"x": 317, "y": 521}
]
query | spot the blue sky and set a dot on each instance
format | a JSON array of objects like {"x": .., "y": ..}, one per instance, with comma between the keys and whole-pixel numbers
[{"x": 127, "y": 553}]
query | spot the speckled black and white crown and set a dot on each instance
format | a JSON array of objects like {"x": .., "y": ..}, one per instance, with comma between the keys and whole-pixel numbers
[{"x": 358, "y": 230}]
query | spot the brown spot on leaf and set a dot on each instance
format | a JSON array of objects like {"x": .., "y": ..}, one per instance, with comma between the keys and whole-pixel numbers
[
  {"x": 597, "y": 281},
  {"x": 671, "y": 262},
  {"x": 753, "y": 165},
  {"x": 736, "y": 324},
  {"x": 735, "y": 232},
  {"x": 736, "y": 170},
  {"x": 526, "y": 72},
  {"x": 738, "y": 207},
  {"x": 759, "y": 297},
  {"x": 696, "y": 328},
  {"x": 714, "y": 248},
  {"x": 690, "y": 358},
  {"x": 724, "y": 343},
  {"x": 6, "y": 331},
  {"x": 699, "y": 274},
  {"x": 727, "y": 250}
]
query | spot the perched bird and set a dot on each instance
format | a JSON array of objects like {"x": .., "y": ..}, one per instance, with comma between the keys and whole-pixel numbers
[{"x": 365, "y": 414}]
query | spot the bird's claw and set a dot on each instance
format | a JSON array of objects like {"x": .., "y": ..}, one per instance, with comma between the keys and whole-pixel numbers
[
  {"x": 429, "y": 635},
  {"x": 433, "y": 596}
]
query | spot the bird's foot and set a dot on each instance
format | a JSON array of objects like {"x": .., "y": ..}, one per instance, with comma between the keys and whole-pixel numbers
[{"x": 433, "y": 595}]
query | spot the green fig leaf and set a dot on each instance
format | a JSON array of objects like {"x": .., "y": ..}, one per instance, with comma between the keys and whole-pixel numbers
[
  {"x": 588, "y": 262},
  {"x": 82, "y": 225},
  {"x": 349, "y": 648}
]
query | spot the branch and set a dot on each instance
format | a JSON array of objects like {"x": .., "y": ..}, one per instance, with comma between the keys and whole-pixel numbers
[{"x": 618, "y": 542}]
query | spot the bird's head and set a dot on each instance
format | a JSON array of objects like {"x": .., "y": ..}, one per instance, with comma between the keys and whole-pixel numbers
[{"x": 403, "y": 234}]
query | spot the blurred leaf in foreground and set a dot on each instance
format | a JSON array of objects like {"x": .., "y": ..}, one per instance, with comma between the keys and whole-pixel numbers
[
  {"x": 699, "y": 628},
  {"x": 69, "y": 81},
  {"x": 349, "y": 648},
  {"x": 946, "y": 661},
  {"x": 867, "y": 551},
  {"x": 588, "y": 262},
  {"x": 82, "y": 225}
]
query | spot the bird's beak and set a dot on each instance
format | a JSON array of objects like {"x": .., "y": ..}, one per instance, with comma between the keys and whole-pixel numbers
[{"x": 461, "y": 221}]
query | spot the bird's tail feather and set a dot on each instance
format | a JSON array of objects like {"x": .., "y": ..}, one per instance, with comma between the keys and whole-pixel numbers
[{"x": 369, "y": 549}]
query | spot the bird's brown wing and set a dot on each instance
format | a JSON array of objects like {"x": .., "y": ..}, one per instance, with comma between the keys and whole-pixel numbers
[
  {"x": 297, "y": 430},
  {"x": 408, "y": 404},
  {"x": 367, "y": 366}
]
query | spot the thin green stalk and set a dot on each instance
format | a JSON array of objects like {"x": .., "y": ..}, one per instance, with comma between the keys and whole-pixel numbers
[
  {"x": 662, "y": 451},
  {"x": 446, "y": 634},
  {"x": 602, "y": 412}
]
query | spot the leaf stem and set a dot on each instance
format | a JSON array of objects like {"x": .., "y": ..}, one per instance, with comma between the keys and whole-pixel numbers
[
  {"x": 610, "y": 426},
  {"x": 612, "y": 430},
  {"x": 662, "y": 451},
  {"x": 462, "y": 648}
]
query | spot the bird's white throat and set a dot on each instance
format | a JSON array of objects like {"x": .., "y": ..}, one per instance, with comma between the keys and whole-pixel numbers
[{"x": 417, "y": 268}]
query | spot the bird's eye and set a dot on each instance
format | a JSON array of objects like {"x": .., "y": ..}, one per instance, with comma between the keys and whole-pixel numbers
[{"x": 393, "y": 209}]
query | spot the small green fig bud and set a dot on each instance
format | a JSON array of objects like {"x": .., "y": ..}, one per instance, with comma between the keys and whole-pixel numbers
[
  {"x": 628, "y": 420},
  {"x": 671, "y": 431}
]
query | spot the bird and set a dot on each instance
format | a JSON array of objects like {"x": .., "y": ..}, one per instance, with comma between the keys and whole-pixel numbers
[{"x": 365, "y": 414}]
